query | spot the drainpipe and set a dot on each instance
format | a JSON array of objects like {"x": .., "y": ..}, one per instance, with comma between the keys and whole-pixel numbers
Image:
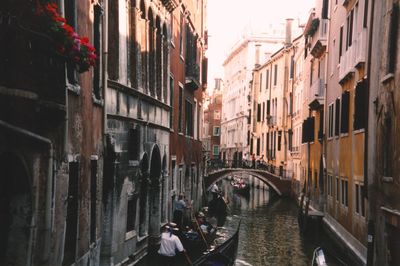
[
  {"x": 105, "y": 61},
  {"x": 370, "y": 194},
  {"x": 49, "y": 181}
]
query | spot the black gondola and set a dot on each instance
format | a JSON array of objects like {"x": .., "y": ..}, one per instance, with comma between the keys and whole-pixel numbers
[{"x": 223, "y": 255}]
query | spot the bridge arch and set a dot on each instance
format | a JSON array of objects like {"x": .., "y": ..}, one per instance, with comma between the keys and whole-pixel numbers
[{"x": 280, "y": 186}]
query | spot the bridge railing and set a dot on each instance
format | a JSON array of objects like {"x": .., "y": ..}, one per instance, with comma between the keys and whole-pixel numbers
[{"x": 214, "y": 165}]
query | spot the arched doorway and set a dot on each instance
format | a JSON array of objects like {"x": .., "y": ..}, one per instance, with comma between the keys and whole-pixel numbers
[
  {"x": 144, "y": 166},
  {"x": 154, "y": 193},
  {"x": 15, "y": 211},
  {"x": 163, "y": 189}
]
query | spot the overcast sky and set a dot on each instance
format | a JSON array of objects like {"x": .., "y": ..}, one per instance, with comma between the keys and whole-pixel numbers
[{"x": 228, "y": 20}]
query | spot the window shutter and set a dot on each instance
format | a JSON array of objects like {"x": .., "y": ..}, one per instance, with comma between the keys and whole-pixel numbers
[{"x": 344, "y": 127}]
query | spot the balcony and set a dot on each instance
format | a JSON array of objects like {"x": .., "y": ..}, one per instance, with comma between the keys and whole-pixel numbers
[
  {"x": 271, "y": 120},
  {"x": 192, "y": 79},
  {"x": 317, "y": 94},
  {"x": 170, "y": 5},
  {"x": 346, "y": 66},
  {"x": 361, "y": 48},
  {"x": 319, "y": 39}
]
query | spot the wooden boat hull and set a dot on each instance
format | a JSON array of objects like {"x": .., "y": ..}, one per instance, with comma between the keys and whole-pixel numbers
[{"x": 223, "y": 255}]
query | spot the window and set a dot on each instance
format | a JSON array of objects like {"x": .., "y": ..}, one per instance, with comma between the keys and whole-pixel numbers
[
  {"x": 134, "y": 143},
  {"x": 93, "y": 200},
  {"x": 361, "y": 103},
  {"x": 172, "y": 29},
  {"x": 217, "y": 115},
  {"x": 275, "y": 74},
  {"x": 344, "y": 191},
  {"x": 258, "y": 146},
  {"x": 267, "y": 79},
  {"x": 330, "y": 120},
  {"x": 131, "y": 213},
  {"x": 171, "y": 102},
  {"x": 337, "y": 189},
  {"x": 71, "y": 17},
  {"x": 330, "y": 185},
  {"x": 113, "y": 33},
  {"x": 340, "y": 43},
  {"x": 98, "y": 10},
  {"x": 349, "y": 34},
  {"x": 259, "y": 112},
  {"x": 261, "y": 81},
  {"x": 216, "y": 131},
  {"x": 325, "y": 7},
  {"x": 182, "y": 33},
  {"x": 344, "y": 121},
  {"x": 337, "y": 116},
  {"x": 173, "y": 175},
  {"x": 215, "y": 150},
  {"x": 393, "y": 38},
  {"x": 321, "y": 125},
  {"x": 279, "y": 139},
  {"x": 360, "y": 208},
  {"x": 189, "y": 118},
  {"x": 263, "y": 111},
  {"x": 196, "y": 120},
  {"x": 180, "y": 108},
  {"x": 291, "y": 67}
]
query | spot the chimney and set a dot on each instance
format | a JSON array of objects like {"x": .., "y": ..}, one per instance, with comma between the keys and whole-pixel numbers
[
  {"x": 257, "y": 57},
  {"x": 288, "y": 36},
  {"x": 217, "y": 84}
]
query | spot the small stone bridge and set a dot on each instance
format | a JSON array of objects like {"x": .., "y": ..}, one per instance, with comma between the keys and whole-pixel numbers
[{"x": 280, "y": 185}]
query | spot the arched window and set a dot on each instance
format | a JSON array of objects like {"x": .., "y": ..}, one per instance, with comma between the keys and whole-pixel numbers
[
  {"x": 165, "y": 55},
  {"x": 158, "y": 55},
  {"x": 151, "y": 53}
]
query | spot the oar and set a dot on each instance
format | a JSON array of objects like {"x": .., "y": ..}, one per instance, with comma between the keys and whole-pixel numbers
[
  {"x": 201, "y": 233},
  {"x": 187, "y": 258}
]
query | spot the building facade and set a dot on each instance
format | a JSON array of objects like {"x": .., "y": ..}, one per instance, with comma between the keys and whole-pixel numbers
[
  {"x": 51, "y": 132},
  {"x": 297, "y": 117},
  {"x": 383, "y": 135},
  {"x": 315, "y": 69},
  {"x": 137, "y": 130},
  {"x": 211, "y": 136},
  {"x": 187, "y": 79},
  {"x": 236, "y": 100},
  {"x": 346, "y": 207}
]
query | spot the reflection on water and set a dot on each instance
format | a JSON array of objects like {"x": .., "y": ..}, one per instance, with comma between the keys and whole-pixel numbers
[{"x": 269, "y": 233}]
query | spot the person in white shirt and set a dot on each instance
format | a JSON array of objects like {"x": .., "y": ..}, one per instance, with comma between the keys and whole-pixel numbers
[{"x": 170, "y": 245}]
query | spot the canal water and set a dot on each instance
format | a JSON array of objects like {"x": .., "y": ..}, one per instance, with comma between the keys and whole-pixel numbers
[{"x": 269, "y": 231}]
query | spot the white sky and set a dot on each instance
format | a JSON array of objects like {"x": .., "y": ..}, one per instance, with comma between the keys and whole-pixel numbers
[{"x": 230, "y": 19}]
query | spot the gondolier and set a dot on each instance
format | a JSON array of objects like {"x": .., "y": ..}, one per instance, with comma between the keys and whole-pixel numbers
[
  {"x": 179, "y": 208},
  {"x": 170, "y": 245}
]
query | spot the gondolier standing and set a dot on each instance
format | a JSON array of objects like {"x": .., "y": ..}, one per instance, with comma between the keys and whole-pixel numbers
[
  {"x": 170, "y": 245},
  {"x": 179, "y": 208}
]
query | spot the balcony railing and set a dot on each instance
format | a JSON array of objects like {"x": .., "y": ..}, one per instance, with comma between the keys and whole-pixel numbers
[
  {"x": 361, "y": 48},
  {"x": 346, "y": 66},
  {"x": 319, "y": 39},
  {"x": 193, "y": 76},
  {"x": 354, "y": 56},
  {"x": 317, "y": 93},
  {"x": 271, "y": 120},
  {"x": 170, "y": 5}
]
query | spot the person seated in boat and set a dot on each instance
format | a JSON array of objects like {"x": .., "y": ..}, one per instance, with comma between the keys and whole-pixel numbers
[
  {"x": 205, "y": 227},
  {"x": 170, "y": 247}
]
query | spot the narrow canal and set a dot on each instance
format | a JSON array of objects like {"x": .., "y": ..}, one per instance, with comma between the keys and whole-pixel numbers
[{"x": 269, "y": 232}]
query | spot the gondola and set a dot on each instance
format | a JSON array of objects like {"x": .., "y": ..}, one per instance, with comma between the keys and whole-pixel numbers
[
  {"x": 241, "y": 188},
  {"x": 222, "y": 255}
]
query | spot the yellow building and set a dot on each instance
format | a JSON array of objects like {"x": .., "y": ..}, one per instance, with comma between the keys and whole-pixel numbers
[{"x": 345, "y": 107}]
